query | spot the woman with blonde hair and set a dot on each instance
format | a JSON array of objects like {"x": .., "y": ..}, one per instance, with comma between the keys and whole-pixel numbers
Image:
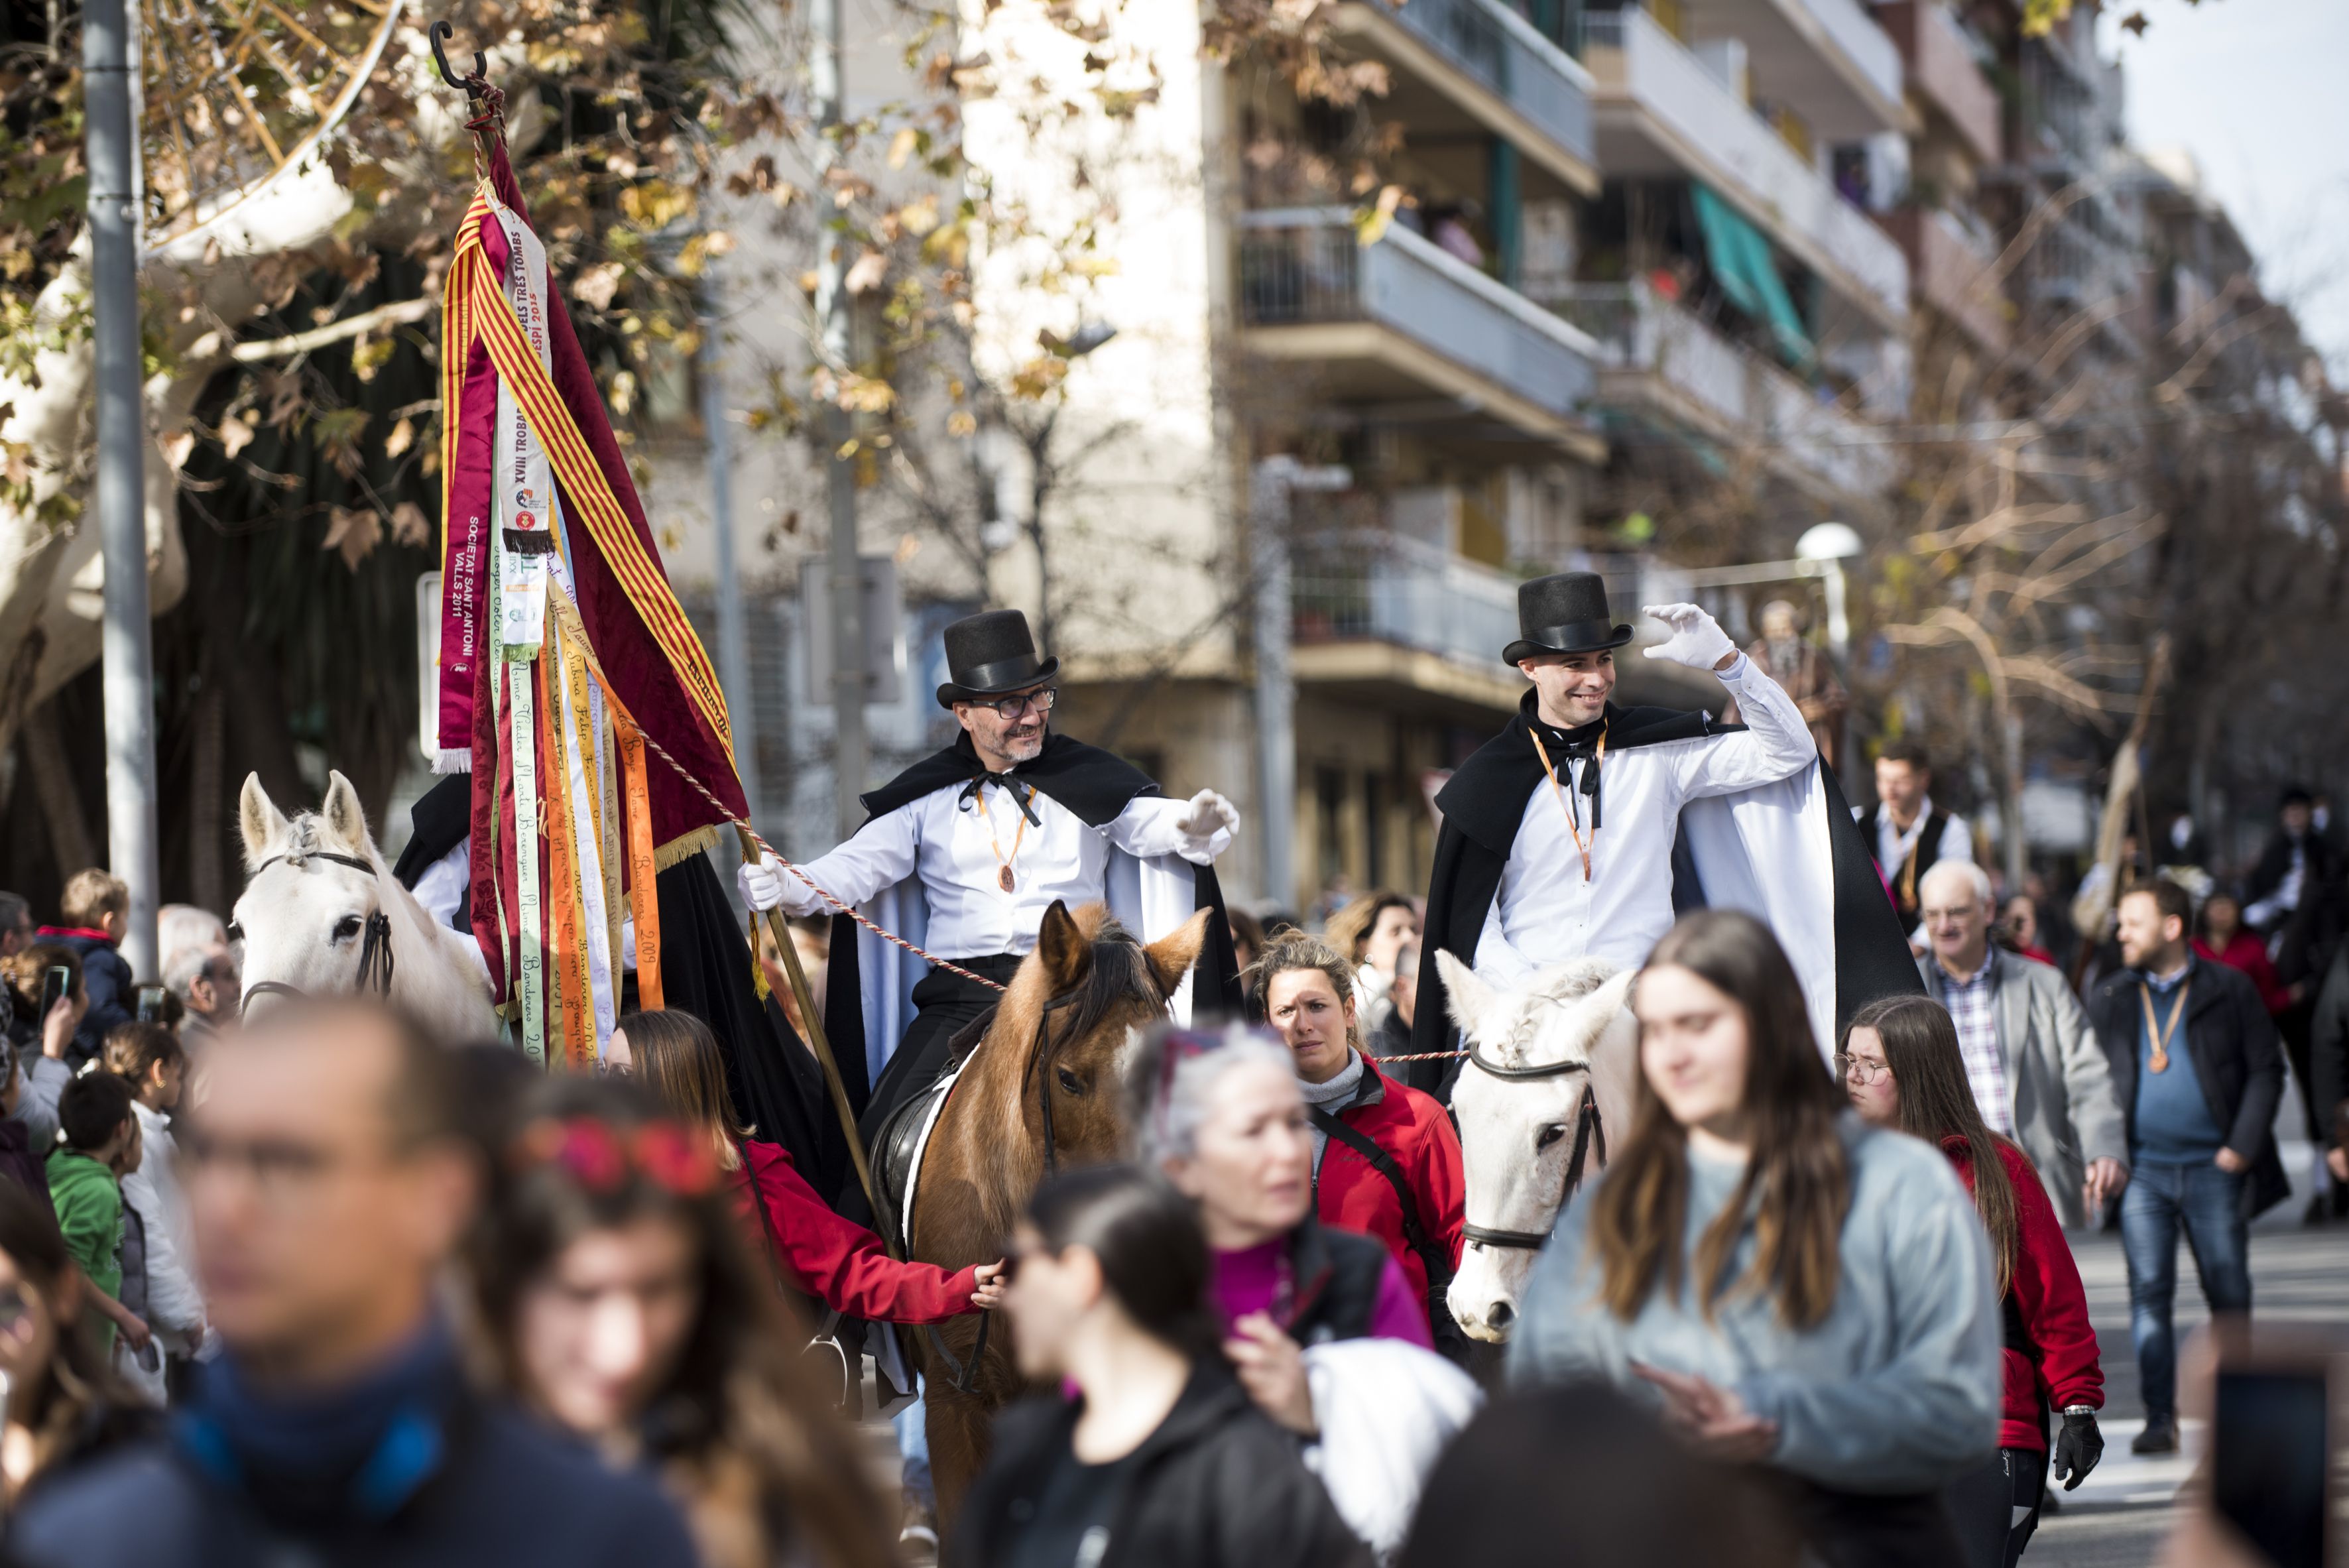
[
  {"x": 1797, "y": 1290},
  {"x": 814, "y": 1250},
  {"x": 1386, "y": 1161}
]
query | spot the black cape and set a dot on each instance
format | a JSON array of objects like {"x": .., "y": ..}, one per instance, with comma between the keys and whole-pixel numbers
[
  {"x": 705, "y": 971},
  {"x": 1482, "y": 805},
  {"x": 1093, "y": 785}
]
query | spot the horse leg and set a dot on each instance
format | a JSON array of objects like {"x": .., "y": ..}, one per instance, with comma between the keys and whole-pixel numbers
[{"x": 958, "y": 1443}]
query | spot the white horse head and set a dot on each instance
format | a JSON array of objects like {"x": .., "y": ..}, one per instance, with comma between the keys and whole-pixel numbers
[
  {"x": 1517, "y": 1134},
  {"x": 315, "y": 883}
]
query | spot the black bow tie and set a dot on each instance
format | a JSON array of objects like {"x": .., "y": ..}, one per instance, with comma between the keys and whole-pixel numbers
[
  {"x": 1581, "y": 744},
  {"x": 1021, "y": 793}
]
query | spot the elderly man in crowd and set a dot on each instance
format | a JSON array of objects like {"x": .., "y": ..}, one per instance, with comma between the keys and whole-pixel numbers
[
  {"x": 205, "y": 980},
  {"x": 2038, "y": 1072},
  {"x": 328, "y": 1184}
]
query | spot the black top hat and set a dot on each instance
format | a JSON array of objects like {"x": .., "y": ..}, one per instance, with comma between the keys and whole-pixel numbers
[
  {"x": 989, "y": 655},
  {"x": 1564, "y": 614}
]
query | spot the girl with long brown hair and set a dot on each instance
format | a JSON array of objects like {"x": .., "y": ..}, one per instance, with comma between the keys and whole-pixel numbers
[
  {"x": 1902, "y": 1066},
  {"x": 1798, "y": 1290},
  {"x": 623, "y": 1305},
  {"x": 814, "y": 1250}
]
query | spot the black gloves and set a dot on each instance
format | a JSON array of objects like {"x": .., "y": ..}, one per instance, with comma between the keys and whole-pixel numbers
[{"x": 2078, "y": 1446}]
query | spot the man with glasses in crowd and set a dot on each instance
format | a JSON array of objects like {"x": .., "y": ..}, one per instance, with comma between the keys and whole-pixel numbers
[
  {"x": 963, "y": 852},
  {"x": 205, "y": 980},
  {"x": 329, "y": 1183},
  {"x": 2037, "y": 1070}
]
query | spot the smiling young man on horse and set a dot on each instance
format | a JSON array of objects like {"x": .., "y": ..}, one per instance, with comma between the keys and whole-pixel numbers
[
  {"x": 964, "y": 851},
  {"x": 1576, "y": 831}
]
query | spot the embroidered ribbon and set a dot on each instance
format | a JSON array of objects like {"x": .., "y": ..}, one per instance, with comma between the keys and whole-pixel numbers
[{"x": 524, "y": 482}]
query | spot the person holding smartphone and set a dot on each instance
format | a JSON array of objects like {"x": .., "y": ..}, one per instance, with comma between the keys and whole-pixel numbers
[{"x": 48, "y": 1003}]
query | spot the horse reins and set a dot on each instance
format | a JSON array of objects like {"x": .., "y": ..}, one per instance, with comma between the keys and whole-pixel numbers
[
  {"x": 963, "y": 1376},
  {"x": 375, "y": 948},
  {"x": 1588, "y": 1132}
]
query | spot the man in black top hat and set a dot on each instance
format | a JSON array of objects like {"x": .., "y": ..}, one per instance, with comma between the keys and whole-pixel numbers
[
  {"x": 1582, "y": 828},
  {"x": 963, "y": 852}
]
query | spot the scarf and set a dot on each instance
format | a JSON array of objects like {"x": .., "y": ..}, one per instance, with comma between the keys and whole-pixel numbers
[
  {"x": 369, "y": 1443},
  {"x": 1329, "y": 1096}
]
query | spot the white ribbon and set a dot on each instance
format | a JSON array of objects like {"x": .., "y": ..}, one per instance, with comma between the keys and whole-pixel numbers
[{"x": 523, "y": 482}]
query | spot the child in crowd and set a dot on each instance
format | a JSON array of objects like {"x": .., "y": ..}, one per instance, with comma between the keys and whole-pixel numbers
[{"x": 98, "y": 1140}]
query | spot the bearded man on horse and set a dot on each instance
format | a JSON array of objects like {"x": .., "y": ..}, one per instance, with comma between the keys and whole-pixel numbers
[{"x": 963, "y": 852}]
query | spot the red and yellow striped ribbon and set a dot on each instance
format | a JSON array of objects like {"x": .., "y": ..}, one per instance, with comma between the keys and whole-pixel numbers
[{"x": 584, "y": 483}]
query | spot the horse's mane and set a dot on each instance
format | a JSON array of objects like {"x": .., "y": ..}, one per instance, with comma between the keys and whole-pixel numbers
[{"x": 1117, "y": 972}]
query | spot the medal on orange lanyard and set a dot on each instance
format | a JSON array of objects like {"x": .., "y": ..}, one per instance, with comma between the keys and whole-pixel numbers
[{"x": 1573, "y": 825}]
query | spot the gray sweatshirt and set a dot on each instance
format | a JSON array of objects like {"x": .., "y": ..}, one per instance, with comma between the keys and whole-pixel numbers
[{"x": 1896, "y": 1390}]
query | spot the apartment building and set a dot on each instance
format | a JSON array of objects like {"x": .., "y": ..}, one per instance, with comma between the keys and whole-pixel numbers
[{"x": 1645, "y": 287}]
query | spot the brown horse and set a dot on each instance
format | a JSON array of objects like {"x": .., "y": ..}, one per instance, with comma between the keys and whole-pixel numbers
[{"x": 1062, "y": 1038}]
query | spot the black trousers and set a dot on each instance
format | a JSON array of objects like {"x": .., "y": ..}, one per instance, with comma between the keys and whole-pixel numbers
[
  {"x": 944, "y": 1004},
  {"x": 1995, "y": 1506}
]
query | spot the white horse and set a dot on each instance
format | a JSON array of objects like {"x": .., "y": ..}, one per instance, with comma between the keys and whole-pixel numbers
[
  {"x": 1537, "y": 1055},
  {"x": 323, "y": 915}
]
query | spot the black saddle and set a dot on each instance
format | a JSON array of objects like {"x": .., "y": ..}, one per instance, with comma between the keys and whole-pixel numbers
[{"x": 897, "y": 1150}]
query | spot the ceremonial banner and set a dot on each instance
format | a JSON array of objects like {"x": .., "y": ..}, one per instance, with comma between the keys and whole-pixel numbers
[{"x": 564, "y": 656}]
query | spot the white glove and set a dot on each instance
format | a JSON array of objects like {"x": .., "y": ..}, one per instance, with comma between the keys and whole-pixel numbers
[
  {"x": 761, "y": 883},
  {"x": 1206, "y": 812},
  {"x": 1697, "y": 639}
]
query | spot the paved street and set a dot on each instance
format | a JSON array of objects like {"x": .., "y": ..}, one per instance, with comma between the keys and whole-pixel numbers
[{"x": 2119, "y": 1518}]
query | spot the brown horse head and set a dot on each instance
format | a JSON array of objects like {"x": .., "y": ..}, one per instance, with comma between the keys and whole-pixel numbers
[{"x": 1047, "y": 1081}]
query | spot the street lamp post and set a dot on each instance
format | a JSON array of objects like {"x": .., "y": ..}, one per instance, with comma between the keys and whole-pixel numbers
[
  {"x": 110, "y": 66},
  {"x": 1269, "y": 487}
]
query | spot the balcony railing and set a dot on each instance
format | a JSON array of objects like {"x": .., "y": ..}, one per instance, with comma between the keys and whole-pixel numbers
[
  {"x": 1726, "y": 144},
  {"x": 1861, "y": 41},
  {"x": 1941, "y": 65},
  {"x": 1308, "y": 265},
  {"x": 1756, "y": 401},
  {"x": 1503, "y": 51},
  {"x": 1388, "y": 589},
  {"x": 1953, "y": 270}
]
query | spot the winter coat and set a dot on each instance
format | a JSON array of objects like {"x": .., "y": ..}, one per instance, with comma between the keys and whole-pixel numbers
[
  {"x": 1349, "y": 1193},
  {"x": 89, "y": 1211},
  {"x": 175, "y": 1307},
  {"x": 488, "y": 1488},
  {"x": 837, "y": 1261},
  {"x": 105, "y": 979},
  {"x": 2328, "y": 1068},
  {"x": 21, "y": 1165},
  {"x": 1218, "y": 1485},
  {"x": 2249, "y": 955},
  {"x": 2059, "y": 1088},
  {"x": 2237, "y": 1059},
  {"x": 2050, "y": 1353}
]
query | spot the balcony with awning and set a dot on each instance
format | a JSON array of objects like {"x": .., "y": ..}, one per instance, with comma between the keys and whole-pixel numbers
[{"x": 1664, "y": 114}]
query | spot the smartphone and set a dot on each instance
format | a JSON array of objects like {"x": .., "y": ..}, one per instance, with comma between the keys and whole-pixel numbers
[
  {"x": 150, "y": 1004},
  {"x": 54, "y": 987},
  {"x": 2277, "y": 1441}
]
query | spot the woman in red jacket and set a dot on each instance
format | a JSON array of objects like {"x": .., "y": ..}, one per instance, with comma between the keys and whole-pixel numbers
[
  {"x": 2222, "y": 939},
  {"x": 1386, "y": 1162},
  {"x": 1902, "y": 1067},
  {"x": 813, "y": 1250}
]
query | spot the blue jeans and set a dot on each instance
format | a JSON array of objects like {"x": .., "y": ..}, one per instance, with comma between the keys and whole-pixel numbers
[
  {"x": 914, "y": 1448},
  {"x": 2208, "y": 1202}
]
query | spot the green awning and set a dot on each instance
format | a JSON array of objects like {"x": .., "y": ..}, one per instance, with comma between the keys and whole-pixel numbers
[{"x": 1748, "y": 275}]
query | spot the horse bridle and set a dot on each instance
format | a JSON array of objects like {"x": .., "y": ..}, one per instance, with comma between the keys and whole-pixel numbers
[
  {"x": 1588, "y": 1132},
  {"x": 375, "y": 948},
  {"x": 963, "y": 1374}
]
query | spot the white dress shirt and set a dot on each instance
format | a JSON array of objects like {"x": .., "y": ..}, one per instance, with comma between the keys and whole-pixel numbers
[
  {"x": 942, "y": 838},
  {"x": 1547, "y": 912},
  {"x": 1892, "y": 845}
]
